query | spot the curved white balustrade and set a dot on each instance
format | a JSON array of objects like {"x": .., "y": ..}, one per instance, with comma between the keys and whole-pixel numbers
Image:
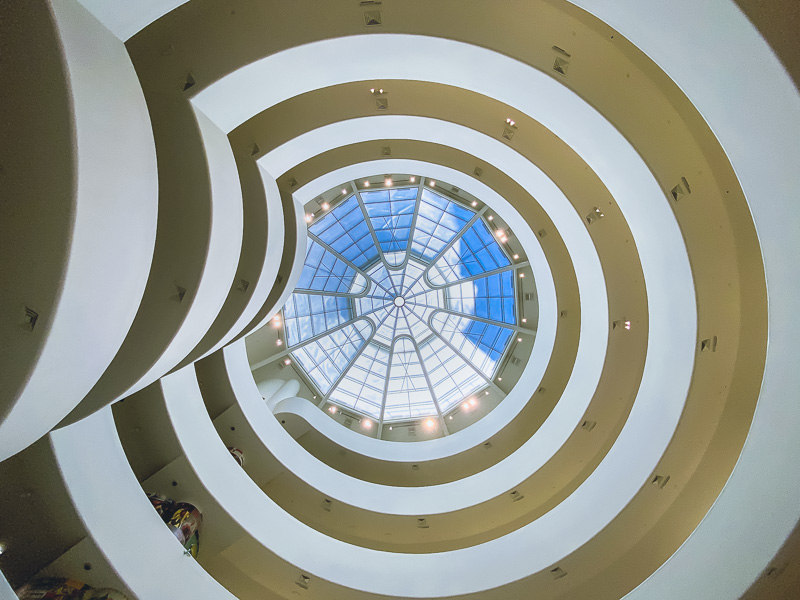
[
  {"x": 753, "y": 108},
  {"x": 286, "y": 389},
  {"x": 301, "y": 234},
  {"x": 222, "y": 255},
  {"x": 113, "y": 228},
  {"x": 275, "y": 247},
  {"x": 120, "y": 519}
]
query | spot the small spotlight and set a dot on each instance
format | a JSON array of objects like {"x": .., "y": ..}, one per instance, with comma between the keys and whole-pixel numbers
[
  {"x": 522, "y": 275},
  {"x": 499, "y": 379},
  {"x": 465, "y": 406},
  {"x": 499, "y": 233},
  {"x": 333, "y": 410},
  {"x": 390, "y": 428},
  {"x": 433, "y": 184},
  {"x": 490, "y": 217},
  {"x": 503, "y": 240},
  {"x": 627, "y": 324},
  {"x": 371, "y": 90},
  {"x": 516, "y": 257},
  {"x": 519, "y": 339},
  {"x": 474, "y": 203},
  {"x": 367, "y": 424},
  {"x": 325, "y": 206},
  {"x": 344, "y": 191},
  {"x": 413, "y": 179},
  {"x": 450, "y": 417},
  {"x": 429, "y": 423},
  {"x": 279, "y": 342},
  {"x": 366, "y": 183},
  {"x": 287, "y": 362},
  {"x": 473, "y": 402},
  {"x": 486, "y": 393},
  {"x": 309, "y": 218},
  {"x": 524, "y": 320},
  {"x": 387, "y": 182}
]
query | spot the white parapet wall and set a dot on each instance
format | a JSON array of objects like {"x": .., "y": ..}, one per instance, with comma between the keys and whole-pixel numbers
[{"x": 110, "y": 228}]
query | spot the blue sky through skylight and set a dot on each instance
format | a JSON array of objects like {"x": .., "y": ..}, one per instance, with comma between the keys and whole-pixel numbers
[{"x": 367, "y": 327}]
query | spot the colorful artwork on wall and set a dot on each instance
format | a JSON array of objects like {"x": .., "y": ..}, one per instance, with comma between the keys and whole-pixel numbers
[
  {"x": 182, "y": 518},
  {"x": 57, "y": 588}
]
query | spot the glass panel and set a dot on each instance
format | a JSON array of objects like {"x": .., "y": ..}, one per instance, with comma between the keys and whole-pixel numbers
[
  {"x": 480, "y": 343},
  {"x": 324, "y": 271},
  {"x": 407, "y": 394},
  {"x": 362, "y": 386},
  {"x": 474, "y": 253},
  {"x": 391, "y": 213},
  {"x": 345, "y": 230},
  {"x": 307, "y": 315},
  {"x": 490, "y": 297},
  {"x": 438, "y": 221},
  {"x": 451, "y": 377},
  {"x": 326, "y": 359}
]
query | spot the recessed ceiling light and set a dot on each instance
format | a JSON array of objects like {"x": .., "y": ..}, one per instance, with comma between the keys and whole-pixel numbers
[
  {"x": 325, "y": 206},
  {"x": 491, "y": 218},
  {"x": 524, "y": 320},
  {"x": 344, "y": 191},
  {"x": 279, "y": 342},
  {"x": 465, "y": 406},
  {"x": 387, "y": 182},
  {"x": 390, "y": 428},
  {"x": 429, "y": 423},
  {"x": 519, "y": 339},
  {"x": 413, "y": 179},
  {"x": 486, "y": 393},
  {"x": 522, "y": 275},
  {"x": 366, "y": 183},
  {"x": 333, "y": 410},
  {"x": 516, "y": 256},
  {"x": 372, "y": 90},
  {"x": 433, "y": 184},
  {"x": 367, "y": 424},
  {"x": 499, "y": 379},
  {"x": 287, "y": 362},
  {"x": 474, "y": 203},
  {"x": 309, "y": 218},
  {"x": 472, "y": 401}
]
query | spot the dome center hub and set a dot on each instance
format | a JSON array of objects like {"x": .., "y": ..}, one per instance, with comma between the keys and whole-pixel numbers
[{"x": 399, "y": 301}]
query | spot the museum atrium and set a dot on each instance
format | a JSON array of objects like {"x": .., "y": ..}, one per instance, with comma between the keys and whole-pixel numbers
[{"x": 477, "y": 299}]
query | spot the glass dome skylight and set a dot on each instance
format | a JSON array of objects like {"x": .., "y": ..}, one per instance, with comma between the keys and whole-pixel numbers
[{"x": 406, "y": 304}]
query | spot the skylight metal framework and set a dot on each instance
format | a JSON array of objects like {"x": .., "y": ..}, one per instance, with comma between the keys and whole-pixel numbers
[{"x": 406, "y": 304}]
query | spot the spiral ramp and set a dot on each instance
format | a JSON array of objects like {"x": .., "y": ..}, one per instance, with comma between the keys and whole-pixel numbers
[{"x": 159, "y": 159}]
